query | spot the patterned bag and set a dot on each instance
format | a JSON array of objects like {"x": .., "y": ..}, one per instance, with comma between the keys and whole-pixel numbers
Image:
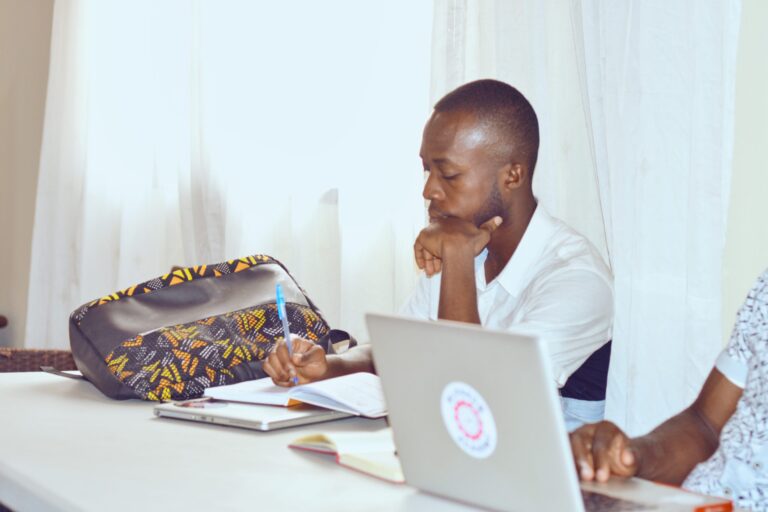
[{"x": 172, "y": 337}]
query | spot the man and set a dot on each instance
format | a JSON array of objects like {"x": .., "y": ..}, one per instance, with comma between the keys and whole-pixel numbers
[
  {"x": 718, "y": 445},
  {"x": 491, "y": 255}
]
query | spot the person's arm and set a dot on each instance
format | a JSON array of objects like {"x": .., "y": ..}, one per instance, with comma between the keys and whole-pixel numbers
[
  {"x": 356, "y": 359},
  {"x": 310, "y": 363},
  {"x": 450, "y": 246},
  {"x": 458, "y": 291},
  {"x": 669, "y": 452}
]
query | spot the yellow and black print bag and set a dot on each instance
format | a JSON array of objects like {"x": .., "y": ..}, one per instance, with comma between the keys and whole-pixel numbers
[{"x": 172, "y": 337}]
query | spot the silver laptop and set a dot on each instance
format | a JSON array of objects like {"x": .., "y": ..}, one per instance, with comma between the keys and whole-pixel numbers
[
  {"x": 251, "y": 416},
  {"x": 476, "y": 417}
]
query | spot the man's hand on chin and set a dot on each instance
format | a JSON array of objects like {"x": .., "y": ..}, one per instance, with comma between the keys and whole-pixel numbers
[{"x": 450, "y": 232}]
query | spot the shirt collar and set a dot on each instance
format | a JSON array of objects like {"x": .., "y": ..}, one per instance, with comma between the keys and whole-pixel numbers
[{"x": 517, "y": 272}]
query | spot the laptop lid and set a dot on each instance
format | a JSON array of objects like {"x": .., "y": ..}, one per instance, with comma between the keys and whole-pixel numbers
[
  {"x": 475, "y": 414},
  {"x": 251, "y": 416}
]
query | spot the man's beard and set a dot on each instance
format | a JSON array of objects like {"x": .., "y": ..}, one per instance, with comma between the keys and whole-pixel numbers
[{"x": 493, "y": 206}]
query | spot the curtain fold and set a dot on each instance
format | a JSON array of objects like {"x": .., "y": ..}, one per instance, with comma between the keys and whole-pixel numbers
[
  {"x": 187, "y": 133},
  {"x": 635, "y": 105},
  {"x": 181, "y": 133},
  {"x": 658, "y": 86},
  {"x": 528, "y": 44}
]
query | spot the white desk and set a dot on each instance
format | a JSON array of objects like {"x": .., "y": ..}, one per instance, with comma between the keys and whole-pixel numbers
[{"x": 64, "y": 446}]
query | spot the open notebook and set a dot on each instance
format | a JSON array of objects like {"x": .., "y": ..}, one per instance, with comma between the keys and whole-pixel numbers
[
  {"x": 372, "y": 453},
  {"x": 359, "y": 394}
]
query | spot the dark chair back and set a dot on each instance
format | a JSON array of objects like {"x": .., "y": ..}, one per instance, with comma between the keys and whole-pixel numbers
[{"x": 30, "y": 360}]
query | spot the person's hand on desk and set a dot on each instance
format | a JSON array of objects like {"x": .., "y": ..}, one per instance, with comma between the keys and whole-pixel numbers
[
  {"x": 308, "y": 362},
  {"x": 602, "y": 450}
]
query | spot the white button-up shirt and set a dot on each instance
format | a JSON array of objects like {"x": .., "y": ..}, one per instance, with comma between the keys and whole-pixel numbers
[
  {"x": 555, "y": 287},
  {"x": 739, "y": 467}
]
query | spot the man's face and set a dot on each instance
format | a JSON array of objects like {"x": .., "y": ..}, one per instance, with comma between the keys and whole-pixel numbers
[{"x": 462, "y": 175}]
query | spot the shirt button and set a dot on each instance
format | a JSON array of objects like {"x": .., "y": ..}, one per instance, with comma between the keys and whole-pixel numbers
[
  {"x": 757, "y": 466},
  {"x": 727, "y": 491}
]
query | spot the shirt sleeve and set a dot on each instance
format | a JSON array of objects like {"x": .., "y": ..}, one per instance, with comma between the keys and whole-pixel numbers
[
  {"x": 751, "y": 324},
  {"x": 419, "y": 304},
  {"x": 572, "y": 312}
]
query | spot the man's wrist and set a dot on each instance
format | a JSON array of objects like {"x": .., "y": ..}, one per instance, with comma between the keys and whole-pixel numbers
[
  {"x": 454, "y": 249},
  {"x": 357, "y": 359},
  {"x": 334, "y": 366},
  {"x": 458, "y": 295},
  {"x": 639, "y": 447}
]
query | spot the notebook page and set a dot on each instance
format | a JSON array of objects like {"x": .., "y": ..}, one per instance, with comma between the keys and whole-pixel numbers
[
  {"x": 348, "y": 442},
  {"x": 359, "y": 393},
  {"x": 362, "y": 442},
  {"x": 261, "y": 391}
]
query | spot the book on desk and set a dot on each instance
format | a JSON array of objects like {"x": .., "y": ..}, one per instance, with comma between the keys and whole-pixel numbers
[
  {"x": 372, "y": 453},
  {"x": 359, "y": 394}
]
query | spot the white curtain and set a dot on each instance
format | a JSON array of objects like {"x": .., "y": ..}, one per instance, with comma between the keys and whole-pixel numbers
[
  {"x": 528, "y": 44},
  {"x": 658, "y": 81},
  {"x": 181, "y": 133},
  {"x": 635, "y": 104}
]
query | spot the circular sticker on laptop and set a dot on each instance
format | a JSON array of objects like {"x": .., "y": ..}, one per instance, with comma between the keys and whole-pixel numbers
[{"x": 468, "y": 420}]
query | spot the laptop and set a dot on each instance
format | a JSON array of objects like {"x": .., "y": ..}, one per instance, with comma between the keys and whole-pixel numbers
[
  {"x": 476, "y": 417},
  {"x": 251, "y": 416}
]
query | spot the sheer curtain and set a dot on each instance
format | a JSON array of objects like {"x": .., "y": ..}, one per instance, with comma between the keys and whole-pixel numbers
[
  {"x": 635, "y": 103},
  {"x": 180, "y": 133},
  {"x": 528, "y": 44},
  {"x": 658, "y": 81}
]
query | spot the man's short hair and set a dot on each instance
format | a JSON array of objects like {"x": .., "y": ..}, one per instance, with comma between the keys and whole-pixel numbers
[{"x": 505, "y": 110}]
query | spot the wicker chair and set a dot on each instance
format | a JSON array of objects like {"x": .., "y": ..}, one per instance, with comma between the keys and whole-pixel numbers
[{"x": 30, "y": 360}]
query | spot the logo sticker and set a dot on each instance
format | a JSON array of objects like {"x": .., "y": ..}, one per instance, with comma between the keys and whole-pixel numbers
[{"x": 468, "y": 420}]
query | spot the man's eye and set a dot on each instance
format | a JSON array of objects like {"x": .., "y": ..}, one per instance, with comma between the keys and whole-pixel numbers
[{"x": 449, "y": 177}]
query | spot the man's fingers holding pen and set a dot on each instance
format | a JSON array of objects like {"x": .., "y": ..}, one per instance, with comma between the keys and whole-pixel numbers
[
  {"x": 278, "y": 365},
  {"x": 273, "y": 368},
  {"x": 281, "y": 350},
  {"x": 300, "y": 345},
  {"x": 313, "y": 354},
  {"x": 306, "y": 363}
]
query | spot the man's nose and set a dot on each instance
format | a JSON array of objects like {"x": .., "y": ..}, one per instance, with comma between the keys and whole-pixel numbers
[{"x": 432, "y": 190}]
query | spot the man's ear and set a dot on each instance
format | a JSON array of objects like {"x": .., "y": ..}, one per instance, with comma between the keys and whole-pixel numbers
[{"x": 514, "y": 175}]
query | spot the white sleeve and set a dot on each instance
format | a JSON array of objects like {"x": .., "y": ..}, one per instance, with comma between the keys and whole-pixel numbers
[
  {"x": 735, "y": 370},
  {"x": 751, "y": 319},
  {"x": 419, "y": 303},
  {"x": 572, "y": 311}
]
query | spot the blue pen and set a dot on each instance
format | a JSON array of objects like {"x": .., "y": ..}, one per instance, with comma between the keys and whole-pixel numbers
[{"x": 284, "y": 317}]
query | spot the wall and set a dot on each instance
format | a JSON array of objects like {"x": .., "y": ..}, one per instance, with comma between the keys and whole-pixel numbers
[
  {"x": 25, "y": 34},
  {"x": 746, "y": 253}
]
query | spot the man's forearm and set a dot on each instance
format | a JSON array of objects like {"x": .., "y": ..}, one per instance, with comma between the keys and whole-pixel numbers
[
  {"x": 458, "y": 292},
  {"x": 671, "y": 450},
  {"x": 356, "y": 359}
]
